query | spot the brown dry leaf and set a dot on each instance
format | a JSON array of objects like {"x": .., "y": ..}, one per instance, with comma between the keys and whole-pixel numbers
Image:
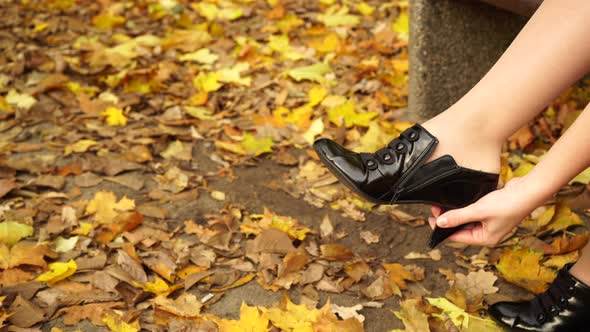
[
  {"x": 335, "y": 252},
  {"x": 25, "y": 313},
  {"x": 185, "y": 306},
  {"x": 124, "y": 222},
  {"x": 475, "y": 284},
  {"x": 398, "y": 275},
  {"x": 434, "y": 254},
  {"x": 24, "y": 253},
  {"x": 357, "y": 270},
  {"x": 14, "y": 276},
  {"x": 273, "y": 241},
  {"x": 6, "y": 185},
  {"x": 293, "y": 262},
  {"x": 93, "y": 311},
  {"x": 380, "y": 289},
  {"x": 521, "y": 139},
  {"x": 370, "y": 237},
  {"x": 326, "y": 228},
  {"x": 414, "y": 320},
  {"x": 327, "y": 321},
  {"x": 565, "y": 244},
  {"x": 521, "y": 266},
  {"x": 240, "y": 282}
]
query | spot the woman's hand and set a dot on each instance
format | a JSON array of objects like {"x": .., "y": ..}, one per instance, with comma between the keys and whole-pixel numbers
[{"x": 493, "y": 216}]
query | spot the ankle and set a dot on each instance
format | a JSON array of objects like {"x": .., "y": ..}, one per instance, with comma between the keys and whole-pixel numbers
[{"x": 581, "y": 273}]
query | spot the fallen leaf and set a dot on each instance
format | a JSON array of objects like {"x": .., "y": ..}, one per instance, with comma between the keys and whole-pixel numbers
[
  {"x": 105, "y": 207},
  {"x": 476, "y": 283},
  {"x": 251, "y": 319},
  {"x": 114, "y": 116},
  {"x": 413, "y": 319},
  {"x": 11, "y": 232},
  {"x": 313, "y": 72},
  {"x": 369, "y": 237},
  {"x": 335, "y": 252},
  {"x": 58, "y": 271},
  {"x": 522, "y": 267},
  {"x": 116, "y": 323}
]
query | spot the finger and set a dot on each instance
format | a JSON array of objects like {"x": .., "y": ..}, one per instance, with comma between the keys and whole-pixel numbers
[
  {"x": 436, "y": 211},
  {"x": 459, "y": 217},
  {"x": 432, "y": 222},
  {"x": 471, "y": 234}
]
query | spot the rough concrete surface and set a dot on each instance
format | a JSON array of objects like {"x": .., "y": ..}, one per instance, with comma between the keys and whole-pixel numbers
[
  {"x": 453, "y": 43},
  {"x": 248, "y": 189}
]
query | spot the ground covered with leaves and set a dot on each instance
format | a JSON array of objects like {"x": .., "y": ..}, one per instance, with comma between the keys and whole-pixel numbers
[{"x": 156, "y": 174}]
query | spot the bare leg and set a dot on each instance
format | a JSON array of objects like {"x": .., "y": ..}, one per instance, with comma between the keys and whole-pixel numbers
[
  {"x": 547, "y": 56},
  {"x": 582, "y": 268}
]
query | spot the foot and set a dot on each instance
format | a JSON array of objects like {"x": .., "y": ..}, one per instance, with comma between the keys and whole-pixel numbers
[
  {"x": 563, "y": 307},
  {"x": 465, "y": 140}
]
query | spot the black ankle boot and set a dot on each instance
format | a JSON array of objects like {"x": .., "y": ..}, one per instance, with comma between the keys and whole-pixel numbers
[
  {"x": 398, "y": 173},
  {"x": 564, "y": 307}
]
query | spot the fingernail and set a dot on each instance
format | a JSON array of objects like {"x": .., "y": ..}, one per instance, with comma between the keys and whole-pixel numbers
[{"x": 442, "y": 221}]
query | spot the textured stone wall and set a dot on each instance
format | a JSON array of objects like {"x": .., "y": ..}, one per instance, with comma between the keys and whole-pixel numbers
[{"x": 453, "y": 43}]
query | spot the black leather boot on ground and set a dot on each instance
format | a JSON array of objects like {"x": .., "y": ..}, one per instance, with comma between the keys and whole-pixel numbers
[
  {"x": 398, "y": 173},
  {"x": 564, "y": 307}
]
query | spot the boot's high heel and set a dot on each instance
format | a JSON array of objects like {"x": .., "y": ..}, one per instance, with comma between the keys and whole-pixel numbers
[
  {"x": 398, "y": 173},
  {"x": 564, "y": 307}
]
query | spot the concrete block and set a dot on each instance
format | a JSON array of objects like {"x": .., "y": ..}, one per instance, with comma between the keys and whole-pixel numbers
[{"x": 453, "y": 43}]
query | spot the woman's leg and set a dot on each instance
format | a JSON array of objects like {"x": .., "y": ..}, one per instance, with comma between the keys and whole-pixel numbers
[
  {"x": 548, "y": 55},
  {"x": 582, "y": 267}
]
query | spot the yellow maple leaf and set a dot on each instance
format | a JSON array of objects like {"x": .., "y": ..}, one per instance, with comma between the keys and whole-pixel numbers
[
  {"x": 313, "y": 72},
  {"x": 375, "y": 138},
  {"x": 460, "y": 318},
  {"x": 207, "y": 10},
  {"x": 251, "y": 320},
  {"x": 203, "y": 55},
  {"x": 346, "y": 113},
  {"x": 107, "y": 21},
  {"x": 79, "y": 147},
  {"x": 116, "y": 323},
  {"x": 11, "y": 232},
  {"x": 114, "y": 116},
  {"x": 83, "y": 229},
  {"x": 289, "y": 22},
  {"x": 316, "y": 94},
  {"x": 521, "y": 266},
  {"x": 158, "y": 287},
  {"x": 230, "y": 13},
  {"x": 207, "y": 82},
  {"x": 280, "y": 44},
  {"x": 563, "y": 219},
  {"x": 292, "y": 317},
  {"x": 21, "y": 100},
  {"x": 58, "y": 271},
  {"x": 256, "y": 146},
  {"x": 365, "y": 9},
  {"x": 402, "y": 26},
  {"x": 105, "y": 207},
  {"x": 338, "y": 16},
  {"x": 285, "y": 224},
  {"x": 233, "y": 74}
]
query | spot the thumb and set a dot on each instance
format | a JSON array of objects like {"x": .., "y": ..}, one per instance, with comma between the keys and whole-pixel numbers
[{"x": 458, "y": 217}]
